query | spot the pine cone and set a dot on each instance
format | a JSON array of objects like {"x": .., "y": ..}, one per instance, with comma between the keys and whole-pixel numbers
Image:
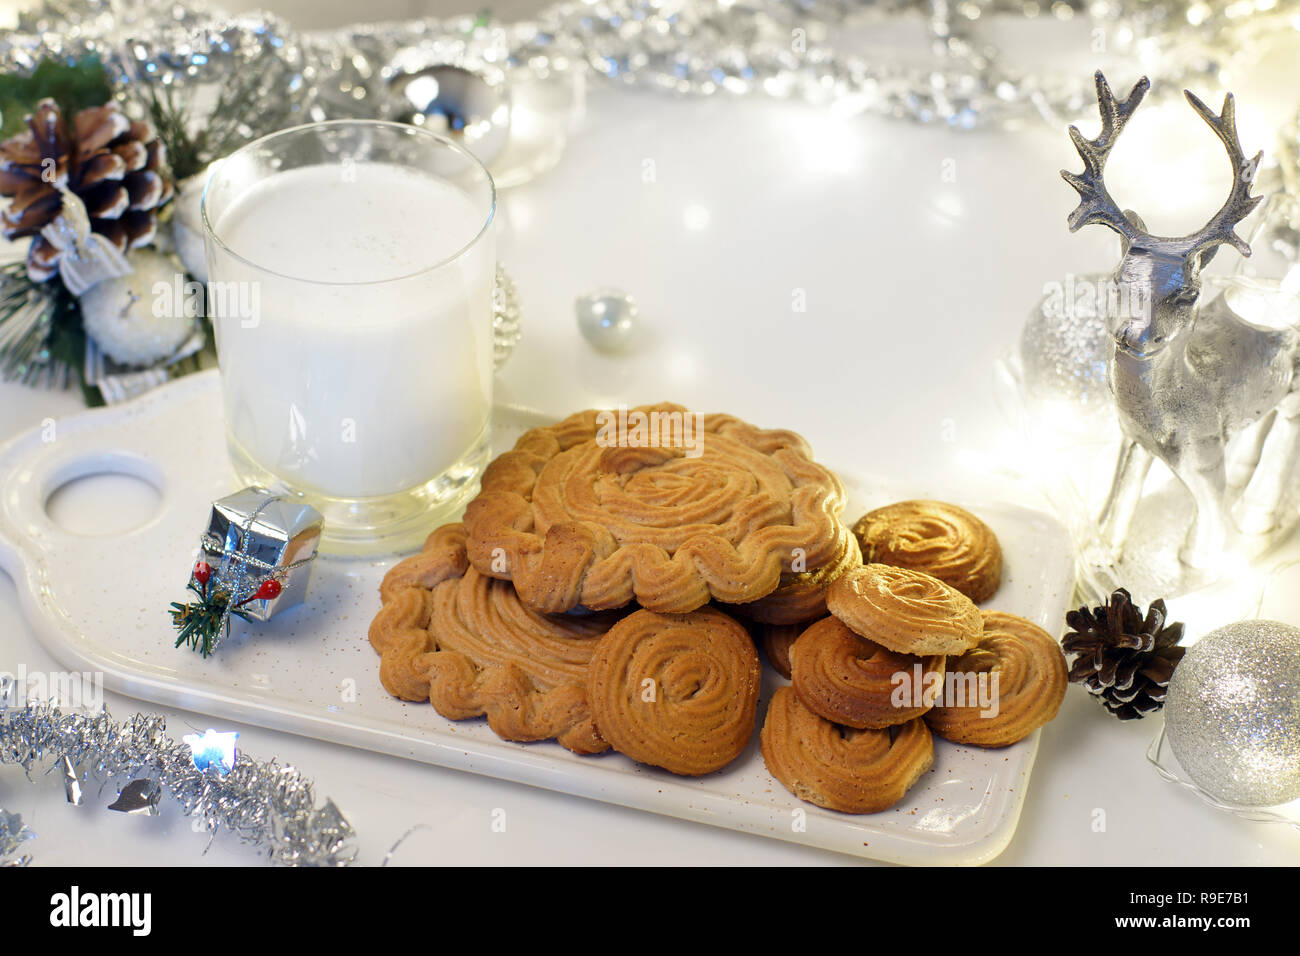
[
  {"x": 117, "y": 167},
  {"x": 1123, "y": 658}
]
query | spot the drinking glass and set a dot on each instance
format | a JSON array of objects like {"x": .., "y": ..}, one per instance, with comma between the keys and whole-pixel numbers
[{"x": 350, "y": 268}]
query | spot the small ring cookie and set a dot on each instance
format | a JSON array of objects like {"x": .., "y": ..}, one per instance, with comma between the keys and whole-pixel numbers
[
  {"x": 906, "y": 611},
  {"x": 940, "y": 539},
  {"x": 850, "y": 680},
  {"x": 678, "y": 691},
  {"x": 853, "y": 771},
  {"x": 1027, "y": 682}
]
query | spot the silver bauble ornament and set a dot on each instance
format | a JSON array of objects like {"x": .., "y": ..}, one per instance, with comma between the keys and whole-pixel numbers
[
  {"x": 1232, "y": 713},
  {"x": 131, "y": 318},
  {"x": 1065, "y": 349},
  {"x": 471, "y": 106},
  {"x": 607, "y": 319}
]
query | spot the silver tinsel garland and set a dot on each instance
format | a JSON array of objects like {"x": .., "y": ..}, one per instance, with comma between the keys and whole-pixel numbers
[
  {"x": 805, "y": 49},
  {"x": 260, "y": 802},
  {"x": 12, "y": 834}
]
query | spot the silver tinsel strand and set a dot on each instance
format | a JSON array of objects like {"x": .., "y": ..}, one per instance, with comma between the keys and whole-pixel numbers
[
  {"x": 698, "y": 47},
  {"x": 260, "y": 802},
  {"x": 12, "y": 834}
]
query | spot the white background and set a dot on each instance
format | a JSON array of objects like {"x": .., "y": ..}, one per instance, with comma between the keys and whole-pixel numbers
[{"x": 915, "y": 286}]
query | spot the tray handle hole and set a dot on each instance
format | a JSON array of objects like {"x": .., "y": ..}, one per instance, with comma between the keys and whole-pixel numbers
[{"x": 105, "y": 495}]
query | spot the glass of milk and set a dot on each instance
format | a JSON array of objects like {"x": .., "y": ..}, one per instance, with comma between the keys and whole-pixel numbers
[{"x": 350, "y": 269}]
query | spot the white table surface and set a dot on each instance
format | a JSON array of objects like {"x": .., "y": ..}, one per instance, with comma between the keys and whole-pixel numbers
[{"x": 914, "y": 287}]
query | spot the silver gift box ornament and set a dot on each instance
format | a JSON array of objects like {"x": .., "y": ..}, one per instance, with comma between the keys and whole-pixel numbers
[{"x": 253, "y": 535}]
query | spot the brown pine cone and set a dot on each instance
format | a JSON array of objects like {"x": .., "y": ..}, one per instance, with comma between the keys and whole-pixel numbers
[
  {"x": 117, "y": 168},
  {"x": 1124, "y": 659}
]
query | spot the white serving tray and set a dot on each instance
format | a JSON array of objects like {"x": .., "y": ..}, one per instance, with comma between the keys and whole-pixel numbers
[{"x": 99, "y": 604}]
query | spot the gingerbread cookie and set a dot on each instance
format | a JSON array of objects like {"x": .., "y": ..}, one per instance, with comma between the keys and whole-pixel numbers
[
  {"x": 602, "y": 509},
  {"x": 463, "y": 641},
  {"x": 1025, "y": 676},
  {"x": 853, "y": 771},
  {"x": 852, "y": 681},
  {"x": 940, "y": 539},
  {"x": 801, "y": 596},
  {"x": 906, "y": 611},
  {"x": 678, "y": 691}
]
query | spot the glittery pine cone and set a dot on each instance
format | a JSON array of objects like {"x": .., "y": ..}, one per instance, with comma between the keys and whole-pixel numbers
[
  {"x": 1123, "y": 658},
  {"x": 115, "y": 166}
]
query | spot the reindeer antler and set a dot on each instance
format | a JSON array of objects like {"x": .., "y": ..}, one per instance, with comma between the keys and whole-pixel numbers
[
  {"x": 1095, "y": 203},
  {"x": 1240, "y": 203}
]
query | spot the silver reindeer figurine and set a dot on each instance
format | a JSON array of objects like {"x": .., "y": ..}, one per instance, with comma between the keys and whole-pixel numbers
[{"x": 1187, "y": 380}]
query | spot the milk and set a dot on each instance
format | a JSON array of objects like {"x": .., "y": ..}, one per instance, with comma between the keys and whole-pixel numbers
[{"x": 364, "y": 372}]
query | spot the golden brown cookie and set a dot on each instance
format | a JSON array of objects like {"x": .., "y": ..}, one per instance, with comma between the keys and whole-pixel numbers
[
  {"x": 852, "y": 681},
  {"x": 940, "y": 539},
  {"x": 906, "y": 611},
  {"x": 585, "y": 512},
  {"x": 678, "y": 691},
  {"x": 1026, "y": 681},
  {"x": 776, "y": 640},
  {"x": 801, "y": 596},
  {"x": 853, "y": 771},
  {"x": 463, "y": 641}
]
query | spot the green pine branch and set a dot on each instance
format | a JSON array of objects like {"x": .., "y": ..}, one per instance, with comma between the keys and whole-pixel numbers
[
  {"x": 199, "y": 624},
  {"x": 73, "y": 85}
]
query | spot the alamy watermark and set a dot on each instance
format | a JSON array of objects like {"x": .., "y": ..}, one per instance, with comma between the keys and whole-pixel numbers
[
  {"x": 921, "y": 688},
  {"x": 1090, "y": 297},
  {"x": 653, "y": 429},
  {"x": 71, "y": 690},
  {"x": 215, "y": 300}
]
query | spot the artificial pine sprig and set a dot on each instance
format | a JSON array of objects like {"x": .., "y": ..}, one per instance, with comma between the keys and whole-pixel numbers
[
  {"x": 200, "y": 624},
  {"x": 192, "y": 145},
  {"x": 73, "y": 84}
]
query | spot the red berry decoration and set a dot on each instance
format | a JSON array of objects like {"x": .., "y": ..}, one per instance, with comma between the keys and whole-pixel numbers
[
  {"x": 202, "y": 572},
  {"x": 270, "y": 588}
]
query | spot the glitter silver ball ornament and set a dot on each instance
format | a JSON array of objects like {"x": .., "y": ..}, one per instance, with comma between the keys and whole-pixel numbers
[
  {"x": 469, "y": 105},
  {"x": 1232, "y": 713},
  {"x": 505, "y": 317},
  {"x": 1064, "y": 352},
  {"x": 607, "y": 319}
]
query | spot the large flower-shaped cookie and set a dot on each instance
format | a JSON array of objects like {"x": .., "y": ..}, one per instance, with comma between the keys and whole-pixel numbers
[
  {"x": 462, "y": 641},
  {"x": 598, "y": 511}
]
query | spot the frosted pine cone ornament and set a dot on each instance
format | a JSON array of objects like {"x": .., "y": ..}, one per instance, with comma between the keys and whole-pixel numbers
[{"x": 116, "y": 167}]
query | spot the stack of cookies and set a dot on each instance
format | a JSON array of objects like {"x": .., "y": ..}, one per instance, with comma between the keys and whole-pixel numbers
[
  {"x": 595, "y": 592},
  {"x": 905, "y": 655}
]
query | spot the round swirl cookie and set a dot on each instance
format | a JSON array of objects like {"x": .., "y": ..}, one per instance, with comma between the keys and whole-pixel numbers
[
  {"x": 657, "y": 504},
  {"x": 1025, "y": 674},
  {"x": 464, "y": 642},
  {"x": 852, "y": 681},
  {"x": 678, "y": 691},
  {"x": 853, "y": 771},
  {"x": 943, "y": 540},
  {"x": 905, "y": 611}
]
